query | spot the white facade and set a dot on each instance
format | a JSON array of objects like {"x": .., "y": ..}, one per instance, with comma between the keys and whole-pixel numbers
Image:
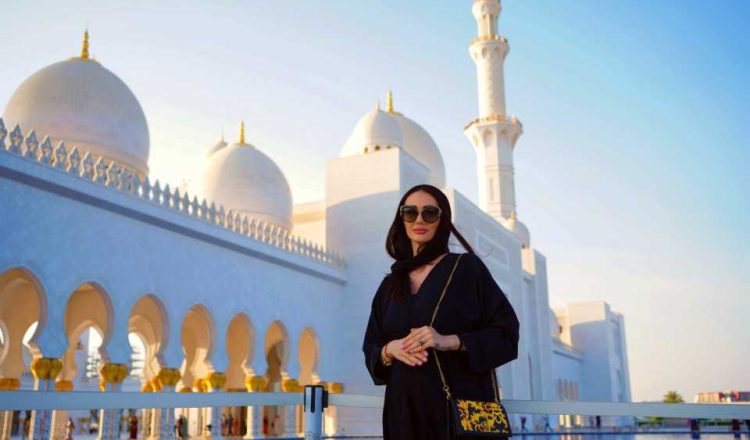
[{"x": 250, "y": 293}]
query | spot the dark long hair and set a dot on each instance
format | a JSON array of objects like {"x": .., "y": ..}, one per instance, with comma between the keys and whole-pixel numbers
[{"x": 398, "y": 244}]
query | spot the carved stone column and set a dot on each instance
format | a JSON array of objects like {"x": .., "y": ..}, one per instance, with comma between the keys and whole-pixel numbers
[
  {"x": 255, "y": 384},
  {"x": 60, "y": 416},
  {"x": 111, "y": 377},
  {"x": 6, "y": 417},
  {"x": 166, "y": 380},
  {"x": 45, "y": 370},
  {"x": 215, "y": 382},
  {"x": 290, "y": 424}
]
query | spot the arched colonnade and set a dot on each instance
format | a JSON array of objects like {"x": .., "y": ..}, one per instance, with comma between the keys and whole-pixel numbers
[{"x": 89, "y": 312}]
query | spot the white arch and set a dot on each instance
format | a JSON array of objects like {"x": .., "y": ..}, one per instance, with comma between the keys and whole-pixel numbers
[
  {"x": 198, "y": 336},
  {"x": 309, "y": 356},
  {"x": 240, "y": 350},
  {"x": 22, "y": 303}
]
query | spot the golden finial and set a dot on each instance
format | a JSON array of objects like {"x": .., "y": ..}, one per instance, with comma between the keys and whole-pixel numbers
[
  {"x": 85, "y": 48},
  {"x": 242, "y": 132},
  {"x": 389, "y": 102}
]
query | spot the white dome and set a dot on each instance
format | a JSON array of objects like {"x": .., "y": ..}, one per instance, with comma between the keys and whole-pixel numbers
[
  {"x": 85, "y": 105},
  {"x": 245, "y": 180},
  {"x": 419, "y": 144},
  {"x": 374, "y": 131},
  {"x": 386, "y": 129},
  {"x": 518, "y": 229},
  {"x": 216, "y": 147}
]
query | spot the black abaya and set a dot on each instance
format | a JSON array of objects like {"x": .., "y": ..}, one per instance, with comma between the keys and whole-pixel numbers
[{"x": 475, "y": 309}]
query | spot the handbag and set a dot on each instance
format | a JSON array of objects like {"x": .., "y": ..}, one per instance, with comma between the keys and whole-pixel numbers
[{"x": 472, "y": 419}]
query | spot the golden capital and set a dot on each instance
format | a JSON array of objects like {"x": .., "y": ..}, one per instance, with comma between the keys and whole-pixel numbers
[
  {"x": 199, "y": 385},
  {"x": 256, "y": 384},
  {"x": 215, "y": 381},
  {"x": 169, "y": 376},
  {"x": 113, "y": 373},
  {"x": 335, "y": 387},
  {"x": 9, "y": 384},
  {"x": 291, "y": 386},
  {"x": 64, "y": 385},
  {"x": 155, "y": 384},
  {"x": 46, "y": 368}
]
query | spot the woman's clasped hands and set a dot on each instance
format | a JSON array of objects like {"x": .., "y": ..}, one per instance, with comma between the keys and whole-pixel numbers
[{"x": 412, "y": 350}]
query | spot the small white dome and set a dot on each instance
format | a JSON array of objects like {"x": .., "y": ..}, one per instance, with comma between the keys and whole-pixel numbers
[
  {"x": 216, "y": 147},
  {"x": 518, "y": 229},
  {"x": 375, "y": 131},
  {"x": 85, "y": 105},
  {"x": 245, "y": 180},
  {"x": 385, "y": 129}
]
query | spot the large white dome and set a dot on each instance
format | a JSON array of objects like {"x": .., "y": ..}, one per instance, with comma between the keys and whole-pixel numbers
[
  {"x": 243, "y": 179},
  {"x": 385, "y": 129},
  {"x": 419, "y": 144},
  {"x": 85, "y": 105}
]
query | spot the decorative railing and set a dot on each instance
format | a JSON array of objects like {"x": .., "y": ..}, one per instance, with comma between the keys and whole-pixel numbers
[
  {"x": 112, "y": 175},
  {"x": 314, "y": 399}
]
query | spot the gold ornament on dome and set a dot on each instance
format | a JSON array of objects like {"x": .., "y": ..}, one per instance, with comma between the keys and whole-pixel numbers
[{"x": 85, "y": 46}]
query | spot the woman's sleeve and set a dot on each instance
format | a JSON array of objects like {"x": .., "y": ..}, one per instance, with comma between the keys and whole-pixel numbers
[
  {"x": 374, "y": 341},
  {"x": 496, "y": 342}
]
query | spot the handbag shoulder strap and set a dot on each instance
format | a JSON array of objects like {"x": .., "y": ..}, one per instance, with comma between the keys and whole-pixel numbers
[
  {"x": 445, "y": 289},
  {"x": 446, "y": 389}
]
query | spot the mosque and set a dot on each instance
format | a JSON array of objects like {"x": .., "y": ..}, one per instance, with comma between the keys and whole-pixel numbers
[{"x": 111, "y": 280}]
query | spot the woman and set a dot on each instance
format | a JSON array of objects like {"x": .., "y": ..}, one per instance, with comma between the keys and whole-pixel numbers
[{"x": 475, "y": 330}]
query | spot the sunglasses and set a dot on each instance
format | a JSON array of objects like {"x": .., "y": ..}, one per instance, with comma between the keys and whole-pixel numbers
[{"x": 430, "y": 213}]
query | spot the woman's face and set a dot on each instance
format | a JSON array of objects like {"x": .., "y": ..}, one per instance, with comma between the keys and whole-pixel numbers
[{"x": 419, "y": 231}]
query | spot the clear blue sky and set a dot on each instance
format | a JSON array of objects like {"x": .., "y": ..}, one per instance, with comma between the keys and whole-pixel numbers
[{"x": 631, "y": 173}]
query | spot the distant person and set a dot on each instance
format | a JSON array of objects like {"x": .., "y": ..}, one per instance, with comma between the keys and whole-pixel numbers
[
  {"x": 133, "y": 427},
  {"x": 523, "y": 424},
  {"x": 736, "y": 427},
  {"x": 598, "y": 422},
  {"x": 547, "y": 427},
  {"x": 694, "y": 428},
  {"x": 26, "y": 425},
  {"x": 69, "y": 427},
  {"x": 182, "y": 427},
  {"x": 747, "y": 423},
  {"x": 468, "y": 324}
]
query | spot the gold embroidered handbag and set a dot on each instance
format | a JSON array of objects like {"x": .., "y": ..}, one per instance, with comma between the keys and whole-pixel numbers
[{"x": 472, "y": 418}]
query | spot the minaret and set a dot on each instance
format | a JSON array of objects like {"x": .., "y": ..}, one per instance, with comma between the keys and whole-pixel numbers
[{"x": 493, "y": 133}]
